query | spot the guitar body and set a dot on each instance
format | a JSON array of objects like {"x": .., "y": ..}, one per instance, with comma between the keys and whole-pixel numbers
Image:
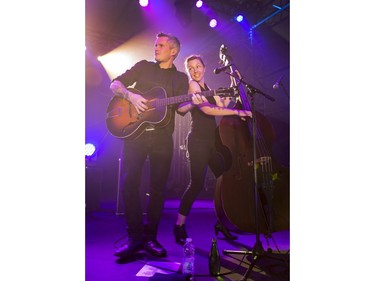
[{"x": 123, "y": 121}]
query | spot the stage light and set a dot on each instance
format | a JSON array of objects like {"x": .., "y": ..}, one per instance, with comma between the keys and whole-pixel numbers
[
  {"x": 199, "y": 3},
  {"x": 143, "y": 3},
  {"x": 239, "y": 18},
  {"x": 115, "y": 62},
  {"x": 213, "y": 23},
  {"x": 89, "y": 149}
]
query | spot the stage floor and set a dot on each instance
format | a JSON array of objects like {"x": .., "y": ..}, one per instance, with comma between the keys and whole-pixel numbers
[{"x": 105, "y": 230}]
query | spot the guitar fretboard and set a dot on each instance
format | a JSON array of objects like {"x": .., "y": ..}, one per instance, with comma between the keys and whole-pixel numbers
[{"x": 184, "y": 98}]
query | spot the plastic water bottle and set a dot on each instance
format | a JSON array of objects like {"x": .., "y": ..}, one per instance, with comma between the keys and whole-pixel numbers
[
  {"x": 214, "y": 259},
  {"x": 188, "y": 257}
]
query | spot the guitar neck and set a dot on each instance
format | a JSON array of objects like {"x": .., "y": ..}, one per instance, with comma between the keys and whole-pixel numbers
[{"x": 184, "y": 98}]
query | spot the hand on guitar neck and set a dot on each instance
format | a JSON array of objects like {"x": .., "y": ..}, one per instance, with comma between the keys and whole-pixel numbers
[{"x": 198, "y": 99}]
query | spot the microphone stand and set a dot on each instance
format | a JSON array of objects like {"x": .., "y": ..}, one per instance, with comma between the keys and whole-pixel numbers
[
  {"x": 258, "y": 249},
  {"x": 284, "y": 90},
  {"x": 252, "y": 90}
]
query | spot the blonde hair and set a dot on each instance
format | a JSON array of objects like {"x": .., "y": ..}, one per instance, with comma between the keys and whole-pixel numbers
[{"x": 193, "y": 57}]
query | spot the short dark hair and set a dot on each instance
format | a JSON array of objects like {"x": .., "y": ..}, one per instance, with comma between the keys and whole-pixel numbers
[{"x": 172, "y": 40}]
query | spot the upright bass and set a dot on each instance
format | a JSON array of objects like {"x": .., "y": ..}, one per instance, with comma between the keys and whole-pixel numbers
[{"x": 254, "y": 190}]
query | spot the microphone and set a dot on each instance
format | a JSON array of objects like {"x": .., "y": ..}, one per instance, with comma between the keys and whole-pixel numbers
[
  {"x": 276, "y": 85},
  {"x": 221, "y": 69}
]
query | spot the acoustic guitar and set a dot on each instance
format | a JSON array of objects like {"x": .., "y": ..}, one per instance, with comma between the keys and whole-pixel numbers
[{"x": 124, "y": 122}]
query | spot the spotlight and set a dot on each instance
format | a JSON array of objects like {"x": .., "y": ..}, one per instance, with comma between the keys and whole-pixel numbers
[
  {"x": 89, "y": 149},
  {"x": 213, "y": 23},
  {"x": 239, "y": 18},
  {"x": 199, "y": 3},
  {"x": 143, "y": 3}
]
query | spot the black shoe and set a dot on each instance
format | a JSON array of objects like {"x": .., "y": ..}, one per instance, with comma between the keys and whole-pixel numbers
[
  {"x": 129, "y": 249},
  {"x": 180, "y": 234},
  {"x": 220, "y": 228},
  {"x": 154, "y": 248}
]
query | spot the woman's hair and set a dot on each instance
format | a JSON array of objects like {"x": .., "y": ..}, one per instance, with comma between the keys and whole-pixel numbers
[{"x": 193, "y": 57}]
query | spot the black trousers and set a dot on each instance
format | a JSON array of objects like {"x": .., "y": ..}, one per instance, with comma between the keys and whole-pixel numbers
[
  {"x": 159, "y": 148},
  {"x": 202, "y": 154}
]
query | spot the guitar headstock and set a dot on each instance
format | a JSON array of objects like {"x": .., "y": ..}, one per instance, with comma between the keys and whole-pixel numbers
[
  {"x": 224, "y": 57},
  {"x": 227, "y": 92}
]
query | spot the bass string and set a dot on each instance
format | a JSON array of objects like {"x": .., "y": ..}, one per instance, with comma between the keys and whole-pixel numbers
[{"x": 260, "y": 144}]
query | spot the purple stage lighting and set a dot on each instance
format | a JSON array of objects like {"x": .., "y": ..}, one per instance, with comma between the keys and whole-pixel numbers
[
  {"x": 239, "y": 18},
  {"x": 89, "y": 149},
  {"x": 213, "y": 23},
  {"x": 199, "y": 3},
  {"x": 143, "y": 3}
]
